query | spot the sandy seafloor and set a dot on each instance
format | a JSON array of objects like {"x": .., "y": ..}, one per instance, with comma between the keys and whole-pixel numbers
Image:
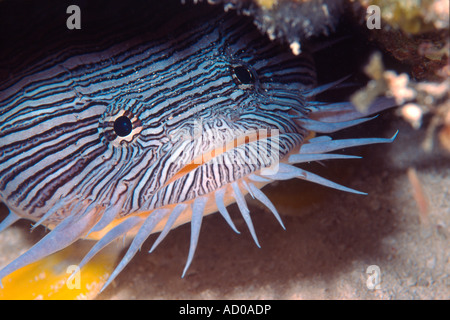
[{"x": 331, "y": 237}]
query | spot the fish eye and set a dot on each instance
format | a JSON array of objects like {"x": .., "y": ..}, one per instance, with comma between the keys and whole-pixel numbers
[
  {"x": 242, "y": 75},
  {"x": 123, "y": 126}
]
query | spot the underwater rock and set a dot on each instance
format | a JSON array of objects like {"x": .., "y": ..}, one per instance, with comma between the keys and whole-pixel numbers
[
  {"x": 291, "y": 21},
  {"x": 416, "y": 35},
  {"x": 413, "y": 32}
]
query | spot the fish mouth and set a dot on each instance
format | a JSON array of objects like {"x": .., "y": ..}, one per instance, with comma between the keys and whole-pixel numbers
[
  {"x": 249, "y": 153},
  {"x": 249, "y": 148}
]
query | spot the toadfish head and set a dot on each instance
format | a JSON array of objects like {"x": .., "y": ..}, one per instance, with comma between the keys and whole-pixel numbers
[{"x": 140, "y": 136}]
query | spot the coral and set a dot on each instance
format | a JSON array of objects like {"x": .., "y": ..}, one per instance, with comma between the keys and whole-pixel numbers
[
  {"x": 414, "y": 32},
  {"x": 292, "y": 21},
  {"x": 415, "y": 98},
  {"x": 413, "y": 16}
]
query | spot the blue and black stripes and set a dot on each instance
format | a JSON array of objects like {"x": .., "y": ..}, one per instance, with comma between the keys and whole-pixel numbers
[
  {"x": 212, "y": 109},
  {"x": 59, "y": 119}
]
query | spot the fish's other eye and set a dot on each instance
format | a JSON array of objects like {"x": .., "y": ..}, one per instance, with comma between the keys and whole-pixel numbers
[
  {"x": 123, "y": 126},
  {"x": 242, "y": 75}
]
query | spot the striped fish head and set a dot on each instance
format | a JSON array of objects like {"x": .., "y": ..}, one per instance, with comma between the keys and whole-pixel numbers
[
  {"x": 140, "y": 126},
  {"x": 159, "y": 130}
]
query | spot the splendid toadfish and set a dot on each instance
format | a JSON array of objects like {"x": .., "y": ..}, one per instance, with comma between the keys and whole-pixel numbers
[{"x": 133, "y": 135}]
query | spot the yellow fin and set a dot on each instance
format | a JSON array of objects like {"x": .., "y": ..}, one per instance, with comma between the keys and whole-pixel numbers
[{"x": 48, "y": 279}]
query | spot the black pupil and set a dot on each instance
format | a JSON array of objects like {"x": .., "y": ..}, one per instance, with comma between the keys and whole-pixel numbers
[
  {"x": 122, "y": 126},
  {"x": 243, "y": 75}
]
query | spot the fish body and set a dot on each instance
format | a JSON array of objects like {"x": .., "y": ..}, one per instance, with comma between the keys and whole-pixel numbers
[{"x": 109, "y": 137}]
